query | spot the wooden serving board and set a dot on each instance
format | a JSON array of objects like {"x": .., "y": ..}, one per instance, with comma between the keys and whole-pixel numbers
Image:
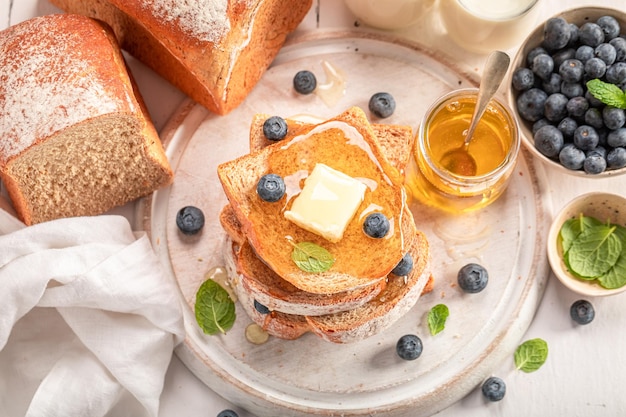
[{"x": 309, "y": 376}]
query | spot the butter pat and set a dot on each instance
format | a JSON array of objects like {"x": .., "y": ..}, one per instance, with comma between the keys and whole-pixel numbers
[{"x": 327, "y": 202}]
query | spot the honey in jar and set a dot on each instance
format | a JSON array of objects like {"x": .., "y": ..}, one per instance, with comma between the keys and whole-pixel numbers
[{"x": 437, "y": 179}]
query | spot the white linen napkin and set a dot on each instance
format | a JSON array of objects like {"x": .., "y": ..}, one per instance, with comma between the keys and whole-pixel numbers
[{"x": 88, "y": 320}]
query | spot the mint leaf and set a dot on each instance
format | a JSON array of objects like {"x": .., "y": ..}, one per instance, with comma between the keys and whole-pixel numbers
[
  {"x": 594, "y": 251},
  {"x": 616, "y": 276},
  {"x": 583, "y": 261},
  {"x": 437, "y": 317},
  {"x": 310, "y": 257},
  {"x": 573, "y": 227},
  {"x": 214, "y": 309},
  {"x": 531, "y": 355},
  {"x": 607, "y": 93}
]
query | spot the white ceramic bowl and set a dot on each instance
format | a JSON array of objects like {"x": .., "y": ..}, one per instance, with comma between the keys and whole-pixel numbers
[
  {"x": 578, "y": 16},
  {"x": 603, "y": 206}
]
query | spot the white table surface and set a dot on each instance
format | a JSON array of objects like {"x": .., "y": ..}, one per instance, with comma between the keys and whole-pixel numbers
[{"x": 586, "y": 367}]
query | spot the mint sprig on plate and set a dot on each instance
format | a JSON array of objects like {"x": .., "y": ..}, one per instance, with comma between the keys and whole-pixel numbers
[
  {"x": 607, "y": 93},
  {"x": 437, "y": 317},
  {"x": 214, "y": 309}
]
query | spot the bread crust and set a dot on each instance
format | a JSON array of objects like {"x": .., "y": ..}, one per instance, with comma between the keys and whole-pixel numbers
[{"x": 215, "y": 58}]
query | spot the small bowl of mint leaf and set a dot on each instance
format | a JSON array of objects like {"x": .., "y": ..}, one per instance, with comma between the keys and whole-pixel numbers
[
  {"x": 587, "y": 244},
  {"x": 566, "y": 87}
]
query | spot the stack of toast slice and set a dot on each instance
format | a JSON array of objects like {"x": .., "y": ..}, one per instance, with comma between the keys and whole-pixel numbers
[{"x": 358, "y": 296}]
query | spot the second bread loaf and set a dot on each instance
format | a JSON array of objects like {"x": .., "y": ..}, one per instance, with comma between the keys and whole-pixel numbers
[{"x": 215, "y": 51}]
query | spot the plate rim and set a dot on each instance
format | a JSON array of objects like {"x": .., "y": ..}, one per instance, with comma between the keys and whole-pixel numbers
[{"x": 234, "y": 390}]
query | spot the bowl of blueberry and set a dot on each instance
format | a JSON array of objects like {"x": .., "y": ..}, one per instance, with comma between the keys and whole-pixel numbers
[
  {"x": 567, "y": 89},
  {"x": 587, "y": 244}
]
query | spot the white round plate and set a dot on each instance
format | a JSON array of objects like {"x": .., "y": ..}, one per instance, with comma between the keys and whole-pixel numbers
[{"x": 309, "y": 376}]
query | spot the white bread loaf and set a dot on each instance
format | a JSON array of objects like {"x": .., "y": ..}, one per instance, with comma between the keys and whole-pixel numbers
[
  {"x": 75, "y": 137},
  {"x": 215, "y": 51}
]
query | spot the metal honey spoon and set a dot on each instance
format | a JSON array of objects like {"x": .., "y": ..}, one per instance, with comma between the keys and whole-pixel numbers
[{"x": 459, "y": 160}]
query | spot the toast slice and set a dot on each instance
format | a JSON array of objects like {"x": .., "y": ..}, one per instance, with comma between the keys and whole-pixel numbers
[
  {"x": 399, "y": 296},
  {"x": 395, "y": 300},
  {"x": 348, "y": 143},
  {"x": 269, "y": 289},
  {"x": 263, "y": 284},
  {"x": 396, "y": 141}
]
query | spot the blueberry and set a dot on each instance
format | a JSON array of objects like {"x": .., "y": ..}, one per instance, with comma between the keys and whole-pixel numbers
[
  {"x": 617, "y": 137},
  {"x": 582, "y": 312},
  {"x": 530, "y": 104},
  {"x": 271, "y": 188},
  {"x": 549, "y": 141},
  {"x": 533, "y": 53},
  {"x": 409, "y": 347},
  {"x": 539, "y": 124},
  {"x": 227, "y": 413},
  {"x": 556, "y": 33},
  {"x": 584, "y": 53},
  {"x": 598, "y": 150},
  {"x": 304, "y": 82},
  {"x": 275, "y": 128},
  {"x": 572, "y": 89},
  {"x": 523, "y": 79},
  {"x": 609, "y": 25},
  {"x": 567, "y": 126},
  {"x": 404, "y": 267},
  {"x": 555, "y": 107},
  {"x": 595, "y": 68},
  {"x": 593, "y": 101},
  {"x": 593, "y": 117},
  {"x": 494, "y": 388},
  {"x": 616, "y": 73},
  {"x": 594, "y": 164},
  {"x": 616, "y": 158},
  {"x": 190, "y": 220},
  {"x": 542, "y": 66},
  {"x": 571, "y": 70},
  {"x": 472, "y": 278},
  {"x": 619, "y": 44},
  {"x": 571, "y": 157},
  {"x": 376, "y": 225},
  {"x": 606, "y": 52},
  {"x": 553, "y": 84},
  {"x": 577, "y": 106},
  {"x": 603, "y": 134},
  {"x": 261, "y": 308},
  {"x": 562, "y": 55},
  {"x": 613, "y": 117},
  {"x": 573, "y": 36},
  {"x": 586, "y": 137},
  {"x": 382, "y": 105},
  {"x": 590, "y": 34}
]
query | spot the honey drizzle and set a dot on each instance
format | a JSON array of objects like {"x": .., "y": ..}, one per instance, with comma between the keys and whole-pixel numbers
[{"x": 335, "y": 86}]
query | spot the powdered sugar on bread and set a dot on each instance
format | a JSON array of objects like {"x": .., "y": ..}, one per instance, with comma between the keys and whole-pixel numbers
[
  {"x": 215, "y": 51},
  {"x": 205, "y": 20},
  {"x": 70, "y": 92}
]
